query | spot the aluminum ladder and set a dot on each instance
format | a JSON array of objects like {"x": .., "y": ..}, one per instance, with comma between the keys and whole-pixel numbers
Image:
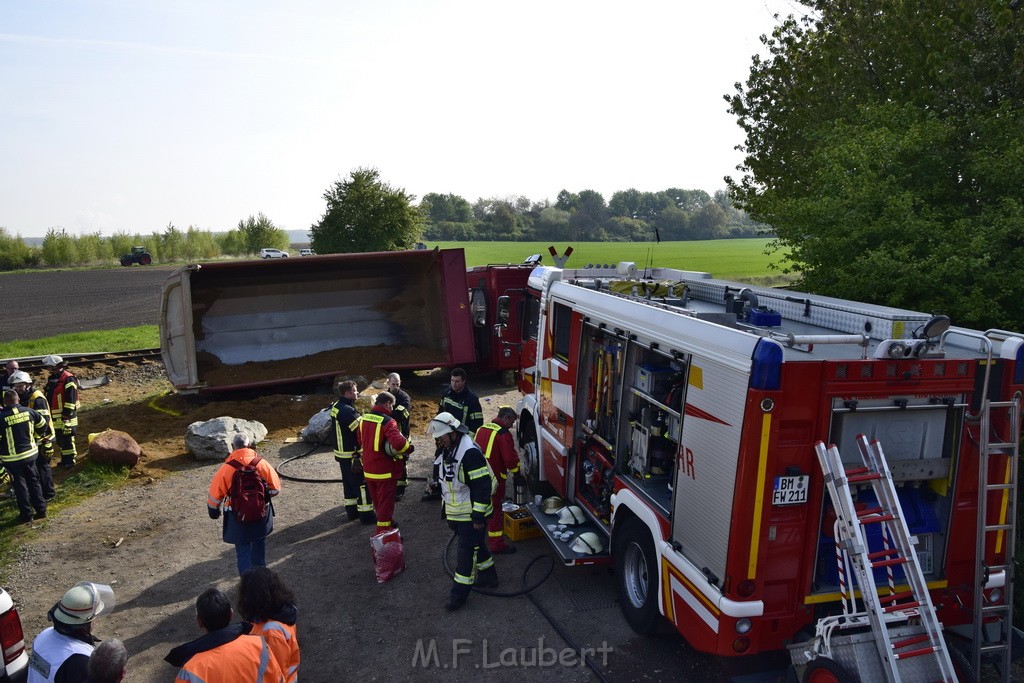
[
  {"x": 997, "y": 483},
  {"x": 892, "y": 609}
]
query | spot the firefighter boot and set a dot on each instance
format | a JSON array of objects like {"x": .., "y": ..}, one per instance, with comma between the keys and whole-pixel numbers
[
  {"x": 457, "y": 598},
  {"x": 352, "y": 512},
  {"x": 488, "y": 578},
  {"x": 367, "y": 517}
]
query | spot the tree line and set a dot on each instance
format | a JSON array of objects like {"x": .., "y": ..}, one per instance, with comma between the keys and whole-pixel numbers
[{"x": 59, "y": 249}]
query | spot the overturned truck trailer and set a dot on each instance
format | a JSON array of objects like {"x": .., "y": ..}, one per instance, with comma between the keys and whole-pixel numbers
[{"x": 241, "y": 324}]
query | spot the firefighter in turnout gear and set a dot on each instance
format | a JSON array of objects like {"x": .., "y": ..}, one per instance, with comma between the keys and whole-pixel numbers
[
  {"x": 62, "y": 393},
  {"x": 495, "y": 441},
  {"x": 61, "y": 652},
  {"x": 23, "y": 430},
  {"x": 33, "y": 398},
  {"x": 466, "y": 485},
  {"x": 345, "y": 440},
  {"x": 402, "y": 414},
  {"x": 384, "y": 450},
  {"x": 464, "y": 406}
]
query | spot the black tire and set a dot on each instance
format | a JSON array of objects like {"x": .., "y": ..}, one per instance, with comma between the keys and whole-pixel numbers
[
  {"x": 126, "y": 261},
  {"x": 146, "y": 260},
  {"x": 636, "y": 575},
  {"x": 825, "y": 670}
]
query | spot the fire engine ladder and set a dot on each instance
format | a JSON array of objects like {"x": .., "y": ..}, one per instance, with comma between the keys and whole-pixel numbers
[
  {"x": 885, "y": 613},
  {"x": 994, "y": 643}
]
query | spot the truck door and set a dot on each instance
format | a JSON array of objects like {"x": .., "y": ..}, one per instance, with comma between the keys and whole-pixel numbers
[{"x": 177, "y": 342}]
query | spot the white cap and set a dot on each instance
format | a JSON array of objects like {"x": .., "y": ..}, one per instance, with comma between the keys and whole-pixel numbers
[
  {"x": 51, "y": 360},
  {"x": 587, "y": 543},
  {"x": 83, "y": 603},
  {"x": 571, "y": 516}
]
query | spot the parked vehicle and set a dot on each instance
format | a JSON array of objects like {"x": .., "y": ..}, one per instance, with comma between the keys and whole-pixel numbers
[
  {"x": 305, "y": 252},
  {"x": 682, "y": 414},
  {"x": 227, "y": 325},
  {"x": 12, "y": 642},
  {"x": 139, "y": 255},
  {"x": 273, "y": 253}
]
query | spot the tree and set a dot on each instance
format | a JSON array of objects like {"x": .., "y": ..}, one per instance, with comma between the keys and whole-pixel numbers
[
  {"x": 450, "y": 208},
  {"x": 365, "y": 214},
  {"x": 258, "y": 232},
  {"x": 882, "y": 145}
]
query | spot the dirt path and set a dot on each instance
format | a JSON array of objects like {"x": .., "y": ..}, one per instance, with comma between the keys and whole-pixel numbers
[{"x": 153, "y": 542}]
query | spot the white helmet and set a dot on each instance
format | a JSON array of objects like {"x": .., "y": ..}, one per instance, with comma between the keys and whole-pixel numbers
[
  {"x": 571, "y": 516},
  {"x": 389, "y": 450},
  {"x": 51, "y": 360},
  {"x": 587, "y": 543},
  {"x": 19, "y": 377},
  {"x": 83, "y": 603},
  {"x": 444, "y": 423}
]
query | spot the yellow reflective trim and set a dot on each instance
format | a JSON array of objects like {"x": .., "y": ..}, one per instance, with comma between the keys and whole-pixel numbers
[
  {"x": 376, "y": 476},
  {"x": 762, "y": 465}
]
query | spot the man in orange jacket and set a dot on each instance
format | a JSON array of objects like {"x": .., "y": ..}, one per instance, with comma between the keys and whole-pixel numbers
[
  {"x": 384, "y": 450},
  {"x": 249, "y": 538},
  {"x": 496, "y": 443},
  {"x": 227, "y": 653}
]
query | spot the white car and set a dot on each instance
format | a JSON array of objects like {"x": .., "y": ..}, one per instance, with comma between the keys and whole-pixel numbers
[
  {"x": 273, "y": 253},
  {"x": 305, "y": 252}
]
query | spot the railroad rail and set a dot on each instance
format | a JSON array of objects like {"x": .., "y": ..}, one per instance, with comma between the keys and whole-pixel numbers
[{"x": 34, "y": 363}]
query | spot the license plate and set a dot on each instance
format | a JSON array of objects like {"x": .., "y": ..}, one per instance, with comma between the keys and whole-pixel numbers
[{"x": 790, "y": 490}]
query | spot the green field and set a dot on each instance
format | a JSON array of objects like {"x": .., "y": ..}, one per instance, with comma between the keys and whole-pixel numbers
[{"x": 728, "y": 259}]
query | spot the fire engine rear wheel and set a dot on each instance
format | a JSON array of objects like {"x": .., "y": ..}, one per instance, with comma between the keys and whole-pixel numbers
[
  {"x": 825, "y": 670},
  {"x": 636, "y": 576}
]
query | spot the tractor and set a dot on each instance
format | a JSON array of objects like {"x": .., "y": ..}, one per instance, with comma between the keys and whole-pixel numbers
[{"x": 139, "y": 255}]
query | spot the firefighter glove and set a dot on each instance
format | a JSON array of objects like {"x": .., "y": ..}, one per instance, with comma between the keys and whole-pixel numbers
[
  {"x": 213, "y": 512},
  {"x": 66, "y": 430},
  {"x": 357, "y": 465},
  {"x": 409, "y": 451}
]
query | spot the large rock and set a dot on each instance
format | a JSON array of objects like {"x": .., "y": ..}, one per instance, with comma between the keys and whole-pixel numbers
[
  {"x": 319, "y": 428},
  {"x": 211, "y": 440},
  {"x": 112, "y": 447}
]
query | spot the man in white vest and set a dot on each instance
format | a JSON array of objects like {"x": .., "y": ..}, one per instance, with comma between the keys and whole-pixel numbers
[
  {"x": 466, "y": 484},
  {"x": 60, "y": 654}
]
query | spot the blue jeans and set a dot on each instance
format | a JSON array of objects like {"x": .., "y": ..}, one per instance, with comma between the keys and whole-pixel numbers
[{"x": 251, "y": 555}]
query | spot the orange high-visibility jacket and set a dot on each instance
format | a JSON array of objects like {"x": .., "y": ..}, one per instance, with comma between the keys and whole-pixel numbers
[
  {"x": 283, "y": 641},
  {"x": 220, "y": 487},
  {"x": 246, "y": 658}
]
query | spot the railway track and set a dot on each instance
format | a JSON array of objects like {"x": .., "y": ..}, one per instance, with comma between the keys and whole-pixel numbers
[{"x": 34, "y": 363}]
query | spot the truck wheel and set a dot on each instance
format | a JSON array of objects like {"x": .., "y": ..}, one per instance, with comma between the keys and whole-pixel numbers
[
  {"x": 146, "y": 260},
  {"x": 636, "y": 574},
  {"x": 825, "y": 670},
  {"x": 126, "y": 262}
]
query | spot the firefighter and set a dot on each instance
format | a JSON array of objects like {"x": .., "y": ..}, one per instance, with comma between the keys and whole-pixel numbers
[
  {"x": 22, "y": 431},
  {"x": 33, "y": 398},
  {"x": 61, "y": 652},
  {"x": 464, "y": 405},
  {"x": 402, "y": 414},
  {"x": 62, "y": 393},
  {"x": 495, "y": 441},
  {"x": 466, "y": 484},
  {"x": 226, "y": 653},
  {"x": 345, "y": 440},
  {"x": 384, "y": 449}
]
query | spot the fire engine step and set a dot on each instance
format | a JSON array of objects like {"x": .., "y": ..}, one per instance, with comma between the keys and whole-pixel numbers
[{"x": 561, "y": 538}]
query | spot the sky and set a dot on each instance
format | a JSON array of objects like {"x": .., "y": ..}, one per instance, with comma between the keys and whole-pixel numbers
[{"x": 128, "y": 116}]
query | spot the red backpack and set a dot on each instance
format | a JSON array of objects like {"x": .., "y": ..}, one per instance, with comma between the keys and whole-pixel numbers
[{"x": 248, "y": 492}]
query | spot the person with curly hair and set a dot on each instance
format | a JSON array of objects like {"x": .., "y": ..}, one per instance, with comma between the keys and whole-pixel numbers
[{"x": 269, "y": 605}]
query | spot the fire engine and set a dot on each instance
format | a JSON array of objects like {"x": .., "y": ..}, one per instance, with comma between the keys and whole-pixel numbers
[{"x": 770, "y": 469}]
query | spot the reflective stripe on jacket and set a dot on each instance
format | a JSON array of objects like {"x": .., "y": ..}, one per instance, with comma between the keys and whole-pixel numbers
[
  {"x": 283, "y": 641},
  {"x": 495, "y": 440},
  {"x": 62, "y": 391},
  {"x": 37, "y": 402},
  {"x": 466, "y": 483},
  {"x": 23, "y": 429},
  {"x": 345, "y": 422},
  {"x": 244, "y": 659},
  {"x": 376, "y": 428}
]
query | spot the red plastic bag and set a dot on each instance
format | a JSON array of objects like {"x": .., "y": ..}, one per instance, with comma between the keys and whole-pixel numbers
[{"x": 388, "y": 555}]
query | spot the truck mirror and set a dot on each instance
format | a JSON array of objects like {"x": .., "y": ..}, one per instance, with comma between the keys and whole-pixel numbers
[{"x": 504, "y": 302}]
